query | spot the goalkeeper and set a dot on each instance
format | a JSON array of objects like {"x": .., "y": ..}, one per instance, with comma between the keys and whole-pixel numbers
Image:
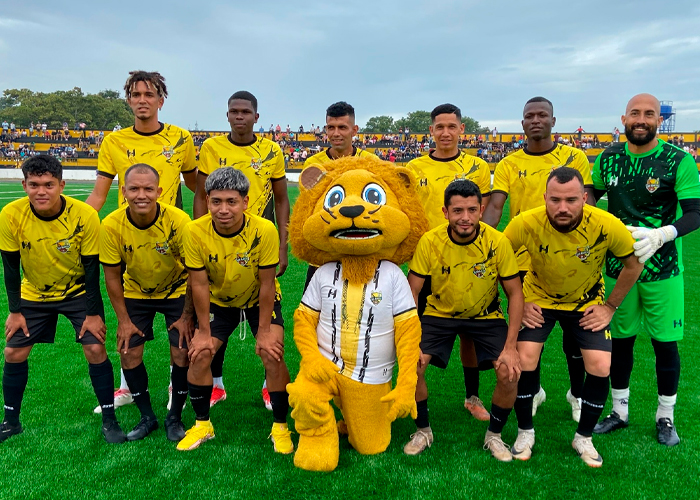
[{"x": 653, "y": 188}]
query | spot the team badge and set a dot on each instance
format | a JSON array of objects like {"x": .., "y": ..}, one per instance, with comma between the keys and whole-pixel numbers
[
  {"x": 652, "y": 184},
  {"x": 479, "y": 270},
  {"x": 256, "y": 164},
  {"x": 63, "y": 245},
  {"x": 583, "y": 253},
  {"x": 376, "y": 298},
  {"x": 168, "y": 151},
  {"x": 162, "y": 248},
  {"x": 460, "y": 176},
  {"x": 242, "y": 258}
]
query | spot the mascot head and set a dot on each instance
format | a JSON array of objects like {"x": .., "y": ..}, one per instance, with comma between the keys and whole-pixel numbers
[{"x": 357, "y": 210}]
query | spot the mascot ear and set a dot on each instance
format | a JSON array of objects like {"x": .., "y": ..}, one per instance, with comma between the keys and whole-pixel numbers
[
  {"x": 311, "y": 176},
  {"x": 405, "y": 176}
]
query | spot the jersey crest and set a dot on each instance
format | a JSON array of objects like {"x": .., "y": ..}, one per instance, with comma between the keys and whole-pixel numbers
[
  {"x": 63, "y": 245},
  {"x": 376, "y": 298},
  {"x": 162, "y": 248},
  {"x": 243, "y": 258},
  {"x": 479, "y": 270},
  {"x": 256, "y": 164},
  {"x": 652, "y": 184},
  {"x": 583, "y": 252},
  {"x": 168, "y": 152}
]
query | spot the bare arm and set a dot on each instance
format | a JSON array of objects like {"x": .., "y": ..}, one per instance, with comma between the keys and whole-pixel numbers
[
  {"x": 190, "y": 180},
  {"x": 99, "y": 193},
  {"x": 199, "y": 205},
  {"x": 115, "y": 289},
  {"x": 199, "y": 282},
  {"x": 509, "y": 356},
  {"x": 494, "y": 209},
  {"x": 591, "y": 200},
  {"x": 416, "y": 283},
  {"x": 279, "y": 189}
]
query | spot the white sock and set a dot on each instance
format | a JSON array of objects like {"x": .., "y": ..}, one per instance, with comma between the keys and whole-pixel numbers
[
  {"x": 665, "y": 409},
  {"x": 219, "y": 382},
  {"x": 620, "y": 399},
  {"x": 123, "y": 385}
]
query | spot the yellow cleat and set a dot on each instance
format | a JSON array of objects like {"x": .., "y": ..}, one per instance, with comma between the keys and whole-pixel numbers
[
  {"x": 202, "y": 431},
  {"x": 281, "y": 439}
]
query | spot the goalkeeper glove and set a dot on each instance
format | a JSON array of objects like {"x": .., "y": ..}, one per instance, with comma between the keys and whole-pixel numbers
[{"x": 650, "y": 240}]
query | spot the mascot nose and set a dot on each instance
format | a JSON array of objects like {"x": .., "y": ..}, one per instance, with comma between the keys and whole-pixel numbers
[{"x": 352, "y": 211}]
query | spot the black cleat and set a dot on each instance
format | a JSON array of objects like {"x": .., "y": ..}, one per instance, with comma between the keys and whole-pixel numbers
[
  {"x": 8, "y": 430},
  {"x": 112, "y": 432},
  {"x": 667, "y": 432},
  {"x": 174, "y": 429},
  {"x": 610, "y": 423},
  {"x": 145, "y": 426}
]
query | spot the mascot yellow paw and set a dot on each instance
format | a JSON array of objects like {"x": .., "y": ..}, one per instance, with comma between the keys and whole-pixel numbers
[{"x": 317, "y": 453}]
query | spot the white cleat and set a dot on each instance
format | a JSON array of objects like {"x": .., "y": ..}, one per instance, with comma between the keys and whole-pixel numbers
[
  {"x": 539, "y": 398},
  {"x": 575, "y": 406}
]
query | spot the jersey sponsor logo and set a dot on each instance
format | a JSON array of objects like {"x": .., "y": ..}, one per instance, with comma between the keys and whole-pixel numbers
[
  {"x": 479, "y": 270},
  {"x": 26, "y": 245},
  {"x": 222, "y": 162},
  {"x": 376, "y": 298},
  {"x": 652, "y": 184},
  {"x": 256, "y": 164},
  {"x": 445, "y": 270},
  {"x": 613, "y": 181},
  {"x": 423, "y": 182},
  {"x": 214, "y": 258},
  {"x": 583, "y": 252},
  {"x": 168, "y": 152},
  {"x": 63, "y": 245},
  {"x": 522, "y": 173},
  {"x": 544, "y": 249},
  {"x": 130, "y": 153},
  {"x": 128, "y": 248},
  {"x": 243, "y": 258},
  {"x": 332, "y": 293},
  {"x": 162, "y": 248},
  {"x": 608, "y": 335},
  {"x": 677, "y": 323}
]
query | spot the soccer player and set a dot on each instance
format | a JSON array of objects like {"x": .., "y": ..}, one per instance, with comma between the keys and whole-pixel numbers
[
  {"x": 262, "y": 162},
  {"x": 465, "y": 260},
  {"x": 231, "y": 256},
  {"x": 567, "y": 241},
  {"x": 55, "y": 240},
  {"x": 147, "y": 236},
  {"x": 653, "y": 187},
  {"x": 434, "y": 173},
  {"x": 523, "y": 175},
  {"x": 167, "y": 148}
]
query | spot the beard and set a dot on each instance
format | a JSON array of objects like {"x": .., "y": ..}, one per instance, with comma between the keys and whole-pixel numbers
[
  {"x": 640, "y": 141},
  {"x": 565, "y": 227}
]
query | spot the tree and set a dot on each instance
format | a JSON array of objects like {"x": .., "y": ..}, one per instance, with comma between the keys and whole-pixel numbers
[
  {"x": 379, "y": 125},
  {"x": 418, "y": 122},
  {"x": 471, "y": 126}
]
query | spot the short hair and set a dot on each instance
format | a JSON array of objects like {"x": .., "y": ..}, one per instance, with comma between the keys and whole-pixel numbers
[
  {"x": 42, "y": 164},
  {"x": 445, "y": 109},
  {"x": 227, "y": 179},
  {"x": 340, "y": 109},
  {"x": 245, "y": 96},
  {"x": 565, "y": 174},
  {"x": 541, "y": 99},
  {"x": 461, "y": 187},
  {"x": 141, "y": 168},
  {"x": 151, "y": 78}
]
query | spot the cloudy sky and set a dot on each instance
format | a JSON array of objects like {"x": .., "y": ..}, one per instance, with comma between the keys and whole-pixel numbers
[{"x": 387, "y": 57}]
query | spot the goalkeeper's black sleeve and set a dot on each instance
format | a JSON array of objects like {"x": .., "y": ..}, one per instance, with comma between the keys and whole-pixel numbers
[{"x": 690, "y": 220}]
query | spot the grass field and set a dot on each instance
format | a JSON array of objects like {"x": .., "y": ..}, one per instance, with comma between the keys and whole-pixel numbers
[{"x": 61, "y": 453}]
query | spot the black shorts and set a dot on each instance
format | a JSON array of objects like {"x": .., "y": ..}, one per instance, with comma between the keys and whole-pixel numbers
[
  {"x": 224, "y": 320},
  {"x": 438, "y": 338},
  {"x": 142, "y": 312},
  {"x": 42, "y": 318},
  {"x": 568, "y": 320}
]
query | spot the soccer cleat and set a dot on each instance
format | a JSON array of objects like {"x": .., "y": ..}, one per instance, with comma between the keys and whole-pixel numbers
[
  {"x": 666, "y": 432},
  {"x": 476, "y": 408},
  {"x": 420, "y": 440},
  {"x": 522, "y": 448},
  {"x": 112, "y": 432},
  {"x": 499, "y": 450},
  {"x": 610, "y": 423},
  {"x": 145, "y": 426},
  {"x": 585, "y": 449},
  {"x": 201, "y": 432},
  {"x": 266, "y": 398},
  {"x": 539, "y": 398},
  {"x": 174, "y": 429},
  {"x": 122, "y": 397},
  {"x": 8, "y": 430},
  {"x": 281, "y": 439},
  {"x": 218, "y": 394},
  {"x": 575, "y": 406}
]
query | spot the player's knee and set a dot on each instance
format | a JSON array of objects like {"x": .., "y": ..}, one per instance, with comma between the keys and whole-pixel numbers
[
  {"x": 130, "y": 359},
  {"x": 179, "y": 356},
  {"x": 95, "y": 353},
  {"x": 271, "y": 363},
  {"x": 13, "y": 355},
  {"x": 503, "y": 375},
  {"x": 600, "y": 367}
]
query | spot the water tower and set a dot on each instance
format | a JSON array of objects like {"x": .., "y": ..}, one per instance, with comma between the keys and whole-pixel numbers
[{"x": 669, "y": 116}]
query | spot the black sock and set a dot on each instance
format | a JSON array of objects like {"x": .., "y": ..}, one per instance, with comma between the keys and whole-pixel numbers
[
  {"x": 102, "y": 378},
  {"x": 574, "y": 361},
  {"x": 14, "y": 381},
  {"x": 422, "y": 418},
  {"x": 595, "y": 393},
  {"x": 499, "y": 417},
  {"x": 621, "y": 362},
  {"x": 668, "y": 367},
  {"x": 178, "y": 377},
  {"x": 471, "y": 380},
  {"x": 280, "y": 406},
  {"x": 200, "y": 395},
  {"x": 217, "y": 362},
  {"x": 137, "y": 380},
  {"x": 528, "y": 386}
]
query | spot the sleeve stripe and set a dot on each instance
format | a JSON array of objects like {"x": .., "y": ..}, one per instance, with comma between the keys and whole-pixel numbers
[
  {"x": 269, "y": 266},
  {"x": 625, "y": 257},
  {"x": 275, "y": 179},
  {"x": 9, "y": 252},
  {"x": 404, "y": 312},
  {"x": 105, "y": 174},
  {"x": 188, "y": 171},
  {"x": 500, "y": 191},
  {"x": 195, "y": 268},
  {"x": 506, "y": 278},
  {"x": 589, "y": 186},
  {"x": 312, "y": 308},
  {"x": 483, "y": 195},
  {"x": 110, "y": 264},
  {"x": 424, "y": 276}
]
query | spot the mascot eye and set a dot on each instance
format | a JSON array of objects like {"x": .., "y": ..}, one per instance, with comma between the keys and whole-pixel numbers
[
  {"x": 335, "y": 196},
  {"x": 374, "y": 194}
]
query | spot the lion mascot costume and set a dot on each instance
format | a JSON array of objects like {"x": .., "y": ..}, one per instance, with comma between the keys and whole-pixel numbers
[{"x": 357, "y": 218}]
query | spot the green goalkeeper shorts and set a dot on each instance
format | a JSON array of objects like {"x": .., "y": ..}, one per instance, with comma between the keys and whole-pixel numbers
[{"x": 655, "y": 306}]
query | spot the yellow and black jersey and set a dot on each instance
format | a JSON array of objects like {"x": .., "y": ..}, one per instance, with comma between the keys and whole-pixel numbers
[
  {"x": 434, "y": 174},
  {"x": 169, "y": 150},
  {"x": 50, "y": 248},
  {"x": 232, "y": 261},
  {"x": 153, "y": 255},
  {"x": 566, "y": 268},
  {"x": 325, "y": 156},
  {"x": 261, "y": 161},
  {"x": 464, "y": 276}
]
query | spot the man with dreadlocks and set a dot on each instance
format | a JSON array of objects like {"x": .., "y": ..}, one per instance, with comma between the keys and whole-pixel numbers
[{"x": 166, "y": 148}]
